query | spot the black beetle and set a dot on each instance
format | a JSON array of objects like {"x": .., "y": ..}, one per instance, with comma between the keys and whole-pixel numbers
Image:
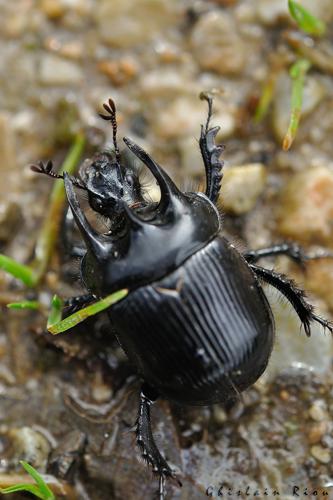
[{"x": 196, "y": 322}]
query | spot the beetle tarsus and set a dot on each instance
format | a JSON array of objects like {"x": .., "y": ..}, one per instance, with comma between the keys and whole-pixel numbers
[
  {"x": 291, "y": 250},
  {"x": 295, "y": 295},
  {"x": 211, "y": 152},
  {"x": 145, "y": 440},
  {"x": 73, "y": 304}
]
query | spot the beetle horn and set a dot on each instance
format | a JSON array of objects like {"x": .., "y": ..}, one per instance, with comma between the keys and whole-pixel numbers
[
  {"x": 94, "y": 241},
  {"x": 134, "y": 221},
  {"x": 169, "y": 190}
]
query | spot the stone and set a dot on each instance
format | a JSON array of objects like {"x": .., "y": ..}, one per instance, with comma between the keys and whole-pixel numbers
[
  {"x": 216, "y": 44},
  {"x": 321, "y": 454},
  {"x": 305, "y": 211},
  {"x": 10, "y": 216},
  {"x": 30, "y": 445},
  {"x": 271, "y": 12},
  {"x": 54, "y": 70},
  {"x": 241, "y": 187},
  {"x": 124, "y": 24},
  {"x": 181, "y": 118},
  {"x": 318, "y": 411}
]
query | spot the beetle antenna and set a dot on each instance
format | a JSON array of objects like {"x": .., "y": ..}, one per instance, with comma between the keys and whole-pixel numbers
[
  {"x": 47, "y": 169},
  {"x": 110, "y": 108}
]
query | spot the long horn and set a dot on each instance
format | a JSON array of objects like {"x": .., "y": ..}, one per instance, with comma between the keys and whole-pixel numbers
[
  {"x": 95, "y": 242},
  {"x": 134, "y": 221},
  {"x": 169, "y": 190}
]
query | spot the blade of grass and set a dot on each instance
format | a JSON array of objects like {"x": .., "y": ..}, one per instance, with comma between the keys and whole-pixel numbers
[
  {"x": 85, "y": 313},
  {"x": 25, "y": 304},
  {"x": 43, "y": 487},
  {"x": 19, "y": 271},
  {"x": 306, "y": 21},
  {"x": 55, "y": 312},
  {"x": 297, "y": 73},
  {"x": 51, "y": 226},
  {"x": 320, "y": 55},
  {"x": 265, "y": 99},
  {"x": 30, "y": 488}
]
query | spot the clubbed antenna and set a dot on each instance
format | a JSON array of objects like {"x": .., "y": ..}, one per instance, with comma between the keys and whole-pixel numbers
[
  {"x": 111, "y": 116},
  {"x": 47, "y": 169}
]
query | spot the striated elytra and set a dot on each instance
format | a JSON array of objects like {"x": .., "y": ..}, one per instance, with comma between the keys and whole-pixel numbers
[{"x": 195, "y": 323}]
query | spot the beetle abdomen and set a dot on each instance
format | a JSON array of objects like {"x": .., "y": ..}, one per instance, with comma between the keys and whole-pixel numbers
[{"x": 203, "y": 332}]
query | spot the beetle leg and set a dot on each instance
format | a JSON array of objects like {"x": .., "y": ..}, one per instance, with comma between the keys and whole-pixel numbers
[
  {"x": 295, "y": 295},
  {"x": 211, "y": 152},
  {"x": 73, "y": 304},
  {"x": 292, "y": 250},
  {"x": 145, "y": 440}
]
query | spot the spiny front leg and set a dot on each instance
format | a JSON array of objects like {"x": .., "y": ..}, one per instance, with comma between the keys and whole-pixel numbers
[
  {"x": 211, "y": 152},
  {"x": 145, "y": 440},
  {"x": 295, "y": 295}
]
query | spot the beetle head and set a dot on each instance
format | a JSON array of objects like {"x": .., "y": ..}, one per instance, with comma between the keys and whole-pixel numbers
[{"x": 109, "y": 185}]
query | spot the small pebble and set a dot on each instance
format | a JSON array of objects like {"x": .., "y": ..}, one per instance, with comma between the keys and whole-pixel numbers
[
  {"x": 10, "y": 216},
  {"x": 305, "y": 210},
  {"x": 272, "y": 11},
  {"x": 241, "y": 187},
  {"x": 180, "y": 118},
  {"x": 53, "y": 9},
  {"x": 316, "y": 432},
  {"x": 123, "y": 24},
  {"x": 119, "y": 72},
  {"x": 319, "y": 279},
  {"x": 31, "y": 446},
  {"x": 219, "y": 415},
  {"x": 318, "y": 411},
  {"x": 165, "y": 82},
  {"x": 216, "y": 44},
  {"x": 54, "y": 70},
  {"x": 284, "y": 395},
  {"x": 321, "y": 454}
]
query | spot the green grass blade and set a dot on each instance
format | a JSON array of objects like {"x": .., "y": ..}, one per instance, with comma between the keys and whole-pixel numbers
[
  {"x": 265, "y": 99},
  {"x": 306, "y": 21},
  {"x": 25, "y": 304},
  {"x": 86, "y": 312},
  {"x": 30, "y": 488},
  {"x": 55, "y": 313},
  {"x": 45, "y": 491},
  {"x": 23, "y": 273},
  {"x": 49, "y": 233},
  {"x": 297, "y": 73}
]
